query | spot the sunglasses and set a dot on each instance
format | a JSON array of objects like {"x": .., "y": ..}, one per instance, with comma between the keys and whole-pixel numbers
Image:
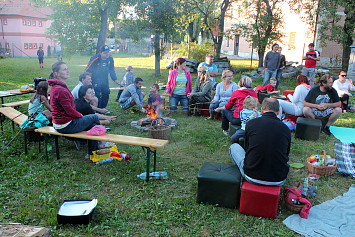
[{"x": 343, "y": 75}]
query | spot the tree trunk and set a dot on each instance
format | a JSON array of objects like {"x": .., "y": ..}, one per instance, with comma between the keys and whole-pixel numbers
[
  {"x": 103, "y": 29},
  {"x": 157, "y": 54},
  {"x": 221, "y": 18},
  {"x": 348, "y": 40},
  {"x": 261, "y": 53}
]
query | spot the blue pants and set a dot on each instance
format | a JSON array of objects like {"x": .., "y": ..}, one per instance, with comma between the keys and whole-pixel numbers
[
  {"x": 103, "y": 94},
  {"x": 268, "y": 74},
  {"x": 238, "y": 134},
  {"x": 278, "y": 76},
  {"x": 83, "y": 124},
  {"x": 227, "y": 116},
  {"x": 174, "y": 101}
]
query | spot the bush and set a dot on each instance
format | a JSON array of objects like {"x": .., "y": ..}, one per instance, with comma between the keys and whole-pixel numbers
[{"x": 197, "y": 51}]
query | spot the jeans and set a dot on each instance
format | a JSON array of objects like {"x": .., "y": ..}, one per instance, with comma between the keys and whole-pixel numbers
[
  {"x": 238, "y": 134},
  {"x": 216, "y": 105},
  {"x": 278, "y": 76},
  {"x": 83, "y": 124},
  {"x": 119, "y": 94},
  {"x": 268, "y": 74},
  {"x": 237, "y": 154},
  {"x": 227, "y": 116},
  {"x": 309, "y": 72},
  {"x": 103, "y": 94},
  {"x": 174, "y": 101}
]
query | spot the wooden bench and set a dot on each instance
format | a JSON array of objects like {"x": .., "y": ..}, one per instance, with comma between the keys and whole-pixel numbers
[
  {"x": 148, "y": 145},
  {"x": 18, "y": 118},
  {"x": 16, "y": 103}
]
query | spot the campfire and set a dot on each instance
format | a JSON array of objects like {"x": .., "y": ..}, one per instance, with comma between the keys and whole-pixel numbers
[{"x": 153, "y": 119}]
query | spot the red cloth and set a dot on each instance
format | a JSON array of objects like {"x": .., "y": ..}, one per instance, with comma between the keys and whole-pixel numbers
[
  {"x": 237, "y": 100},
  {"x": 307, "y": 207},
  {"x": 268, "y": 87},
  {"x": 310, "y": 63},
  {"x": 62, "y": 103}
]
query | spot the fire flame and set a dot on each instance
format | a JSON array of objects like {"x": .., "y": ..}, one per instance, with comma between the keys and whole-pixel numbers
[{"x": 152, "y": 114}]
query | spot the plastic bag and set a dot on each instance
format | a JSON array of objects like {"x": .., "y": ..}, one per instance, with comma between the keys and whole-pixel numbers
[
  {"x": 97, "y": 130},
  {"x": 290, "y": 124}
]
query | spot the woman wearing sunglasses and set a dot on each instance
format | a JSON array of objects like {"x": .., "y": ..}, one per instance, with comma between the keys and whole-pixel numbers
[{"x": 342, "y": 86}]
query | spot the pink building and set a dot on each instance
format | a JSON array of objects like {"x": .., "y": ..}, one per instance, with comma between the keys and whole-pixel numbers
[{"x": 23, "y": 28}]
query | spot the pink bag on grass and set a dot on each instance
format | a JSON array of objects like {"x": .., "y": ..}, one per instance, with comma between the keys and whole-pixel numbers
[{"x": 97, "y": 130}]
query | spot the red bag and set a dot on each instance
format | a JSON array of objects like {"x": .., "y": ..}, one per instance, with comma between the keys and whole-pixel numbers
[
  {"x": 292, "y": 195},
  {"x": 97, "y": 130}
]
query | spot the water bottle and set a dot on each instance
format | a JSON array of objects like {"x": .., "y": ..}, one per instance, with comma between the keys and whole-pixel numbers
[
  {"x": 104, "y": 161},
  {"x": 154, "y": 175},
  {"x": 159, "y": 175}
]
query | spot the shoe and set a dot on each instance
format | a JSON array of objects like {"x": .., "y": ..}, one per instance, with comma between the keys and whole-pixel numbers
[
  {"x": 108, "y": 112},
  {"x": 326, "y": 131},
  {"x": 87, "y": 156},
  {"x": 225, "y": 132},
  {"x": 77, "y": 145},
  {"x": 344, "y": 111}
]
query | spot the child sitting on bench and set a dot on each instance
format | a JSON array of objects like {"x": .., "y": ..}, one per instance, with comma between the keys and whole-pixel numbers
[
  {"x": 39, "y": 100},
  {"x": 249, "y": 112},
  {"x": 269, "y": 88}
]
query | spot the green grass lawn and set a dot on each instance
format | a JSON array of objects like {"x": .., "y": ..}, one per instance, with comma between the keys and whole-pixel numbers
[{"x": 32, "y": 190}]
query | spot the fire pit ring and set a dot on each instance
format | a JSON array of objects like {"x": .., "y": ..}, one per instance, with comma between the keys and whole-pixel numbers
[{"x": 170, "y": 122}]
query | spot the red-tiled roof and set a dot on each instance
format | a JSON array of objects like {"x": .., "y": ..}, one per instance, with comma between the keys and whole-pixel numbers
[{"x": 23, "y": 8}]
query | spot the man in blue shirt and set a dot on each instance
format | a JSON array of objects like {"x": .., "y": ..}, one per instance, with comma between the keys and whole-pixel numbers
[
  {"x": 133, "y": 95},
  {"x": 212, "y": 68},
  {"x": 100, "y": 65}
]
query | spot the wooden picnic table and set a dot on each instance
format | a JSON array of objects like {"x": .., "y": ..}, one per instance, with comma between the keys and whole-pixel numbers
[{"x": 14, "y": 92}]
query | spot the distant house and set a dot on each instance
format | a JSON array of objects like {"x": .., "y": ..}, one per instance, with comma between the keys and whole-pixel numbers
[
  {"x": 23, "y": 28},
  {"x": 294, "y": 44}
]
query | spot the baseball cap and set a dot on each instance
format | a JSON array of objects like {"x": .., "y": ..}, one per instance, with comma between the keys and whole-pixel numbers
[{"x": 104, "y": 48}]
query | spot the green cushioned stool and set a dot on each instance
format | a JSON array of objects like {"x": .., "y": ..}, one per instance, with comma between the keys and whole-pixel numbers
[
  {"x": 241, "y": 142},
  {"x": 219, "y": 184},
  {"x": 308, "y": 129},
  {"x": 233, "y": 128},
  {"x": 262, "y": 96}
]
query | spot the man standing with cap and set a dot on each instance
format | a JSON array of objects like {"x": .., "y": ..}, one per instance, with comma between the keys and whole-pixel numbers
[{"x": 100, "y": 65}]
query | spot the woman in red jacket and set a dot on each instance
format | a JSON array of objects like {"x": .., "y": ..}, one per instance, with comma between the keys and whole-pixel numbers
[
  {"x": 236, "y": 102},
  {"x": 66, "y": 119}
]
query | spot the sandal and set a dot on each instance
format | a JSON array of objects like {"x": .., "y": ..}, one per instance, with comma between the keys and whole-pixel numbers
[{"x": 209, "y": 118}]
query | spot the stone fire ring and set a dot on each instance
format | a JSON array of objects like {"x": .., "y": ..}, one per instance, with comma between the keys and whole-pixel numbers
[{"x": 172, "y": 123}]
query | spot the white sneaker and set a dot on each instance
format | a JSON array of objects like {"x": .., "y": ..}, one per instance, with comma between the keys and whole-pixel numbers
[{"x": 225, "y": 132}]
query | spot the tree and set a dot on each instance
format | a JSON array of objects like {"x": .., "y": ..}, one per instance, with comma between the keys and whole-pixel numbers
[
  {"x": 161, "y": 17},
  {"x": 213, "y": 13},
  {"x": 335, "y": 20},
  {"x": 76, "y": 22},
  {"x": 262, "y": 25}
]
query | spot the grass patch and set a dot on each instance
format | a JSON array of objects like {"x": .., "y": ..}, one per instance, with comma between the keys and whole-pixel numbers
[{"x": 32, "y": 190}]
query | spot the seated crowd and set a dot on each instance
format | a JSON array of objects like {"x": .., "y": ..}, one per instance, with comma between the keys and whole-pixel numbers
[{"x": 76, "y": 111}]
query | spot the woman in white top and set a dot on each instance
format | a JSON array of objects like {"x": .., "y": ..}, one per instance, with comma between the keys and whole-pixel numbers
[
  {"x": 342, "y": 86},
  {"x": 295, "y": 106}
]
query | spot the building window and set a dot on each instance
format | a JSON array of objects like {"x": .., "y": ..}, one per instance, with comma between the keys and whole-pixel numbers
[
  {"x": 28, "y": 23},
  {"x": 0, "y": 45},
  {"x": 5, "y": 21},
  {"x": 41, "y": 45},
  {"x": 30, "y": 46},
  {"x": 35, "y": 45},
  {"x": 34, "y": 23},
  {"x": 24, "y": 22},
  {"x": 7, "y": 45},
  {"x": 40, "y": 23},
  {"x": 227, "y": 42},
  {"x": 26, "y": 46},
  {"x": 292, "y": 41}
]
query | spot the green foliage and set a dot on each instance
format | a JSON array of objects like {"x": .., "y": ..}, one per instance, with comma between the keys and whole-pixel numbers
[
  {"x": 132, "y": 29},
  {"x": 263, "y": 24},
  {"x": 196, "y": 51}
]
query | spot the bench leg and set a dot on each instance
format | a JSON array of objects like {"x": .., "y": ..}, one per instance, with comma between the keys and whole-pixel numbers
[
  {"x": 13, "y": 126},
  {"x": 45, "y": 145},
  {"x": 25, "y": 141},
  {"x": 56, "y": 146},
  {"x": 147, "y": 154}
]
